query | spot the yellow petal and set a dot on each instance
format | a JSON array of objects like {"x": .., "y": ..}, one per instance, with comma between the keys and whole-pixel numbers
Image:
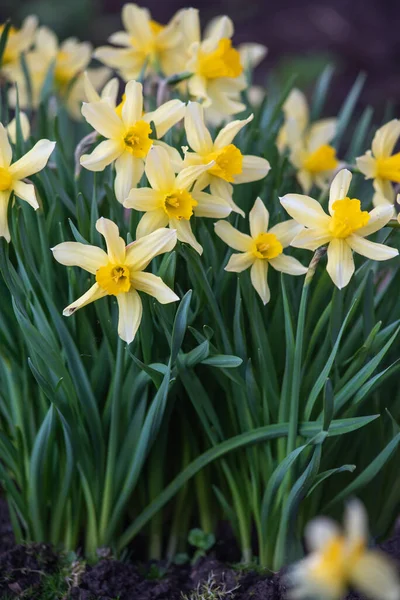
[
  {"x": 129, "y": 171},
  {"x": 340, "y": 262},
  {"x": 296, "y": 109},
  {"x": 211, "y": 206},
  {"x": 375, "y": 576},
  {"x": 132, "y": 108},
  {"x": 151, "y": 221},
  {"x": 136, "y": 21},
  {"x": 223, "y": 189},
  {"x": 110, "y": 91},
  {"x": 154, "y": 286},
  {"x": 166, "y": 116},
  {"x": 141, "y": 252},
  {"x": 258, "y": 218},
  {"x": 103, "y": 118},
  {"x": 90, "y": 91},
  {"x": 253, "y": 169},
  {"x": 306, "y": 211},
  {"x": 240, "y": 262},
  {"x": 33, "y": 161},
  {"x": 144, "y": 199},
  {"x": 26, "y": 191},
  {"x": 229, "y": 132},
  {"x": 286, "y": 231},
  {"x": 129, "y": 315},
  {"x": 258, "y": 275},
  {"x": 159, "y": 170},
  {"x": 175, "y": 158},
  {"x": 197, "y": 134},
  {"x": 102, "y": 156},
  {"x": 185, "y": 234},
  {"x": 232, "y": 237},
  {"x": 75, "y": 254},
  {"x": 189, "y": 175},
  {"x": 115, "y": 244},
  {"x": 91, "y": 295},
  {"x": 378, "y": 218},
  {"x": 371, "y": 250},
  {"x": 339, "y": 187},
  {"x": 4, "y": 230},
  {"x": 385, "y": 139},
  {"x": 311, "y": 239},
  {"x": 288, "y": 264}
]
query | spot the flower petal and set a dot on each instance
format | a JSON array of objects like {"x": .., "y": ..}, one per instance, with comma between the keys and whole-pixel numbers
[
  {"x": 129, "y": 170},
  {"x": 154, "y": 286},
  {"x": 286, "y": 231},
  {"x": 385, "y": 139},
  {"x": 33, "y": 161},
  {"x": 223, "y": 189},
  {"x": 102, "y": 156},
  {"x": 4, "y": 230},
  {"x": 75, "y": 254},
  {"x": 115, "y": 244},
  {"x": 240, "y": 262},
  {"x": 369, "y": 249},
  {"x": 367, "y": 165},
  {"x": 132, "y": 108},
  {"x": 229, "y": 132},
  {"x": 306, "y": 211},
  {"x": 130, "y": 311},
  {"x": 136, "y": 21},
  {"x": 95, "y": 293},
  {"x": 159, "y": 170},
  {"x": 12, "y": 130},
  {"x": 339, "y": 187},
  {"x": 174, "y": 157},
  {"x": 189, "y": 175},
  {"x": 26, "y": 191},
  {"x": 144, "y": 199},
  {"x": 311, "y": 239},
  {"x": 288, "y": 264},
  {"x": 321, "y": 132},
  {"x": 141, "y": 252},
  {"x": 166, "y": 116},
  {"x": 185, "y": 234},
  {"x": 232, "y": 237},
  {"x": 319, "y": 532},
  {"x": 151, "y": 221},
  {"x": 197, "y": 134},
  {"x": 253, "y": 169},
  {"x": 258, "y": 275},
  {"x": 340, "y": 262},
  {"x": 211, "y": 206},
  {"x": 103, "y": 118},
  {"x": 375, "y": 576},
  {"x": 5, "y": 148},
  {"x": 384, "y": 193},
  {"x": 378, "y": 218},
  {"x": 258, "y": 218}
]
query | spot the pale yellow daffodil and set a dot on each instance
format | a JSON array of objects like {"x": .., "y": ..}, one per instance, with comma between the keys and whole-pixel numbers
[
  {"x": 230, "y": 166},
  {"x": 381, "y": 165},
  {"x": 120, "y": 272},
  {"x": 263, "y": 247},
  {"x": 169, "y": 201},
  {"x": 340, "y": 559},
  {"x": 308, "y": 143},
  {"x": 18, "y": 41},
  {"x": 128, "y": 135},
  {"x": 25, "y": 128},
  {"x": 13, "y": 174},
  {"x": 143, "y": 43},
  {"x": 344, "y": 229}
]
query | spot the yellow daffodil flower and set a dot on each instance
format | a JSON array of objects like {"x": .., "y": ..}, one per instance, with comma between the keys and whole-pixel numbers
[
  {"x": 109, "y": 91},
  {"x": 340, "y": 559},
  {"x": 128, "y": 136},
  {"x": 381, "y": 164},
  {"x": 144, "y": 42},
  {"x": 344, "y": 229},
  {"x": 169, "y": 201},
  {"x": 230, "y": 165},
  {"x": 120, "y": 272},
  {"x": 18, "y": 41},
  {"x": 309, "y": 144},
  {"x": 25, "y": 128},
  {"x": 12, "y": 175},
  {"x": 263, "y": 247}
]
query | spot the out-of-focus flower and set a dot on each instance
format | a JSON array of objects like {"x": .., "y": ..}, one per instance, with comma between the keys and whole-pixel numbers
[
  {"x": 128, "y": 136},
  {"x": 25, "y": 128},
  {"x": 340, "y": 559},
  {"x": 18, "y": 41},
  {"x": 309, "y": 144},
  {"x": 344, "y": 229},
  {"x": 13, "y": 174},
  {"x": 169, "y": 201},
  {"x": 263, "y": 247},
  {"x": 144, "y": 43},
  {"x": 120, "y": 272},
  {"x": 381, "y": 164},
  {"x": 230, "y": 165}
]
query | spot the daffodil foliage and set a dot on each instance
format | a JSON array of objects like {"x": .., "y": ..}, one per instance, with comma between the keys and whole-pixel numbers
[{"x": 200, "y": 298}]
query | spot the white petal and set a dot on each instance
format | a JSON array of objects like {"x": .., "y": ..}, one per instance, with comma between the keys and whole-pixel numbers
[
  {"x": 371, "y": 249},
  {"x": 4, "y": 230},
  {"x": 258, "y": 218},
  {"x": 175, "y": 158},
  {"x": 151, "y": 221},
  {"x": 33, "y": 161},
  {"x": 385, "y": 139},
  {"x": 319, "y": 532},
  {"x": 253, "y": 169},
  {"x": 339, "y": 187},
  {"x": 103, "y": 118},
  {"x": 384, "y": 192},
  {"x": 129, "y": 170},
  {"x": 232, "y": 237},
  {"x": 240, "y": 262},
  {"x": 144, "y": 199},
  {"x": 120, "y": 38},
  {"x": 91, "y": 295},
  {"x": 355, "y": 522},
  {"x": 211, "y": 206},
  {"x": 130, "y": 314},
  {"x": 5, "y": 148},
  {"x": 136, "y": 21},
  {"x": 115, "y": 244},
  {"x": 258, "y": 275},
  {"x": 26, "y": 191},
  {"x": 288, "y": 264},
  {"x": 218, "y": 28},
  {"x": 110, "y": 91},
  {"x": 376, "y": 577},
  {"x": 12, "y": 130},
  {"x": 159, "y": 170},
  {"x": 367, "y": 165},
  {"x": 223, "y": 189},
  {"x": 166, "y": 116},
  {"x": 132, "y": 108},
  {"x": 252, "y": 54},
  {"x": 197, "y": 134},
  {"x": 102, "y": 156},
  {"x": 141, "y": 252},
  {"x": 229, "y": 132},
  {"x": 321, "y": 132},
  {"x": 378, "y": 218},
  {"x": 311, "y": 239},
  {"x": 90, "y": 91},
  {"x": 340, "y": 262},
  {"x": 154, "y": 286},
  {"x": 286, "y": 231},
  {"x": 306, "y": 211},
  {"x": 189, "y": 175},
  {"x": 75, "y": 254},
  {"x": 185, "y": 234}
]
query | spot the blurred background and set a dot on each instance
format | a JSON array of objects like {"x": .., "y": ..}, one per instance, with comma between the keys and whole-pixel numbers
[{"x": 302, "y": 35}]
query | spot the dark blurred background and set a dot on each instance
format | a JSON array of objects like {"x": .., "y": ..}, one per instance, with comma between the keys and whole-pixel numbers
[{"x": 302, "y": 35}]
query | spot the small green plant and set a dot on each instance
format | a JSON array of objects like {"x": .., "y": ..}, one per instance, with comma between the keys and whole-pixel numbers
[{"x": 202, "y": 541}]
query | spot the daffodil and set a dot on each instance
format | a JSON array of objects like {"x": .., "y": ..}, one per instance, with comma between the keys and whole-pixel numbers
[
  {"x": 340, "y": 559},
  {"x": 381, "y": 165},
  {"x": 230, "y": 166},
  {"x": 128, "y": 135},
  {"x": 120, "y": 272},
  {"x": 344, "y": 229},
  {"x": 169, "y": 201},
  {"x": 13, "y": 174},
  {"x": 309, "y": 144},
  {"x": 144, "y": 43},
  {"x": 25, "y": 128},
  {"x": 263, "y": 247},
  {"x": 18, "y": 41}
]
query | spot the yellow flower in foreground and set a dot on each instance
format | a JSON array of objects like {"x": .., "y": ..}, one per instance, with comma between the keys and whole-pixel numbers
[
  {"x": 309, "y": 144},
  {"x": 344, "y": 229},
  {"x": 128, "y": 136},
  {"x": 381, "y": 164},
  {"x": 25, "y": 128},
  {"x": 18, "y": 41},
  {"x": 169, "y": 201},
  {"x": 263, "y": 247},
  {"x": 144, "y": 42},
  {"x": 12, "y": 175},
  {"x": 340, "y": 559},
  {"x": 230, "y": 165},
  {"x": 120, "y": 272}
]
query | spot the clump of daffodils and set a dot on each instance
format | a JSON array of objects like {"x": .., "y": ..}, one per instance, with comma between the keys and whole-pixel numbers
[{"x": 340, "y": 559}]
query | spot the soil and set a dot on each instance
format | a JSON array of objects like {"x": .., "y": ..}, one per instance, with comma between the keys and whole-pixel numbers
[{"x": 24, "y": 568}]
